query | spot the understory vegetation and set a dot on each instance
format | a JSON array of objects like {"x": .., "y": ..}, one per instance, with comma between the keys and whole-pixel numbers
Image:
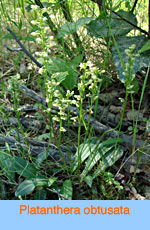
[{"x": 74, "y": 99}]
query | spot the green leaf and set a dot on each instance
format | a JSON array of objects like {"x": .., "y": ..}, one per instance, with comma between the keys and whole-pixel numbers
[
  {"x": 108, "y": 160},
  {"x": 42, "y": 137},
  {"x": 66, "y": 190},
  {"x": 24, "y": 168},
  {"x": 100, "y": 28},
  {"x": 51, "y": 181},
  {"x": 61, "y": 76},
  {"x": 43, "y": 156},
  {"x": 6, "y": 164},
  {"x": 26, "y": 187},
  {"x": 66, "y": 71},
  {"x": 95, "y": 157},
  {"x": 76, "y": 61},
  {"x": 89, "y": 180},
  {"x": 93, "y": 150},
  {"x": 71, "y": 27},
  {"x": 145, "y": 47},
  {"x": 47, "y": 4},
  {"x": 40, "y": 181},
  {"x": 124, "y": 43},
  {"x": 29, "y": 39}
]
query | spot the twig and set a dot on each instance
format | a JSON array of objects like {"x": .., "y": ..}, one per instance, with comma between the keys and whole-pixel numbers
[
  {"x": 23, "y": 48},
  {"x": 134, "y": 5},
  {"x": 14, "y": 50}
]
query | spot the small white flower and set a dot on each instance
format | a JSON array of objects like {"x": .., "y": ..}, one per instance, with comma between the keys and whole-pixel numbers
[
  {"x": 56, "y": 119},
  {"x": 34, "y": 22},
  {"x": 38, "y": 40},
  {"x": 46, "y": 29},
  {"x": 90, "y": 64},
  {"x": 34, "y": 7},
  {"x": 78, "y": 97},
  {"x": 49, "y": 110},
  {"x": 30, "y": 67},
  {"x": 62, "y": 129},
  {"x": 94, "y": 77},
  {"x": 41, "y": 71},
  {"x": 44, "y": 10},
  {"x": 44, "y": 19}
]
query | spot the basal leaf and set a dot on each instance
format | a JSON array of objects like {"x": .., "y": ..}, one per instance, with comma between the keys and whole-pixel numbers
[
  {"x": 6, "y": 164},
  {"x": 66, "y": 190},
  {"x": 51, "y": 181},
  {"x": 108, "y": 160},
  {"x": 40, "y": 181},
  {"x": 26, "y": 187},
  {"x": 95, "y": 157},
  {"x": 24, "y": 168},
  {"x": 93, "y": 150},
  {"x": 88, "y": 180}
]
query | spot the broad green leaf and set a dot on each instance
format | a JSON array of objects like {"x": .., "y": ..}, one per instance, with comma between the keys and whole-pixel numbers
[
  {"x": 4, "y": 156},
  {"x": 61, "y": 76},
  {"x": 65, "y": 71},
  {"x": 9, "y": 36},
  {"x": 145, "y": 47},
  {"x": 76, "y": 61},
  {"x": 51, "y": 180},
  {"x": 71, "y": 27},
  {"x": 29, "y": 39},
  {"x": 66, "y": 190},
  {"x": 26, "y": 187},
  {"x": 6, "y": 164},
  {"x": 95, "y": 157},
  {"x": 124, "y": 43},
  {"x": 100, "y": 28},
  {"x": 88, "y": 180},
  {"x": 62, "y": 66},
  {"x": 42, "y": 137},
  {"x": 24, "y": 168},
  {"x": 108, "y": 160},
  {"x": 40, "y": 181},
  {"x": 43, "y": 156},
  {"x": 93, "y": 149}
]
